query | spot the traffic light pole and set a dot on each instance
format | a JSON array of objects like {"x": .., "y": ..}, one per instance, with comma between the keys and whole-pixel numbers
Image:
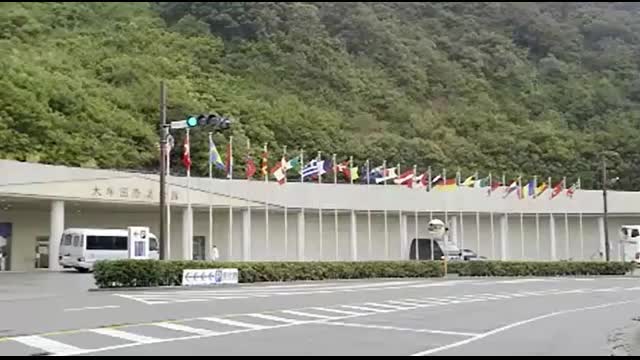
[{"x": 164, "y": 134}]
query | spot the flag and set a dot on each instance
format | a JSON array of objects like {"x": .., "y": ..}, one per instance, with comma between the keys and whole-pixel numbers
[
  {"x": 421, "y": 181},
  {"x": 557, "y": 189},
  {"x": 186, "y": 155},
  {"x": 311, "y": 169},
  {"x": 214, "y": 155},
  {"x": 446, "y": 185},
  {"x": 279, "y": 171},
  {"x": 250, "y": 168},
  {"x": 406, "y": 178},
  {"x": 436, "y": 179},
  {"x": 531, "y": 189},
  {"x": 482, "y": 183},
  {"x": 494, "y": 186},
  {"x": 372, "y": 175},
  {"x": 353, "y": 173},
  {"x": 511, "y": 188},
  {"x": 293, "y": 164},
  {"x": 541, "y": 189},
  {"x": 389, "y": 174},
  {"x": 325, "y": 166},
  {"x": 469, "y": 181},
  {"x": 350, "y": 173},
  {"x": 573, "y": 188},
  {"x": 264, "y": 162}
]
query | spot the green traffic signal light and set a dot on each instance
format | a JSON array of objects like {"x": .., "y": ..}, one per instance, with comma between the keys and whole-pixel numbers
[{"x": 192, "y": 121}]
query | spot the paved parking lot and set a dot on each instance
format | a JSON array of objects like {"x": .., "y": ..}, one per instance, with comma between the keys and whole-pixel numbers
[{"x": 374, "y": 317}]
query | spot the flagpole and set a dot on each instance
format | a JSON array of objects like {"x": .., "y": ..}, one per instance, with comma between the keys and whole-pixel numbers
[
  {"x": 189, "y": 237},
  {"x": 266, "y": 205},
  {"x": 386, "y": 221},
  {"x": 168, "y": 200},
  {"x": 248, "y": 203},
  {"x": 429, "y": 178},
  {"x": 208, "y": 249},
  {"x": 446, "y": 213},
  {"x": 230, "y": 176},
  {"x": 370, "y": 241},
  {"x": 335, "y": 211},
  {"x": 320, "y": 225},
  {"x": 490, "y": 184},
  {"x": 401, "y": 227},
  {"x": 416, "y": 215},
  {"x": 286, "y": 215}
]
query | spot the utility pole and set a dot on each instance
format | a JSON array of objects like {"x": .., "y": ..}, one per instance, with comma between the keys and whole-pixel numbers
[
  {"x": 164, "y": 134},
  {"x": 606, "y": 212}
]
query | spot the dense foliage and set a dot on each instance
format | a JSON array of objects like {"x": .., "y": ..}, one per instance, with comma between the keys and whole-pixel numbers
[{"x": 534, "y": 88}]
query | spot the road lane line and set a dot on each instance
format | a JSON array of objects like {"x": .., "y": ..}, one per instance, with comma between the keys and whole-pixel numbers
[
  {"x": 274, "y": 318},
  {"x": 184, "y": 328},
  {"x": 125, "y": 335},
  {"x": 47, "y": 345},
  {"x": 382, "y": 327},
  {"x": 300, "y": 313},
  {"x": 517, "y": 324},
  {"x": 392, "y": 307},
  {"x": 362, "y": 308},
  {"x": 93, "y": 308},
  {"x": 407, "y": 303},
  {"x": 234, "y": 323}
]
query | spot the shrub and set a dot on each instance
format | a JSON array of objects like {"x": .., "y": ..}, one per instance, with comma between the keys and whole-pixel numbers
[{"x": 541, "y": 268}]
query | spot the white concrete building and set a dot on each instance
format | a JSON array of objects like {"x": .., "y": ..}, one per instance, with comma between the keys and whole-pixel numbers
[{"x": 37, "y": 202}]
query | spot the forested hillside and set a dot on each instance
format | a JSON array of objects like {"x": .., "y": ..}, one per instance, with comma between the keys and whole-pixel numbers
[{"x": 523, "y": 88}]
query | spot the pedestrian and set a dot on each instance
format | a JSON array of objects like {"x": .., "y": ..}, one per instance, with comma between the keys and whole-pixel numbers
[{"x": 215, "y": 255}]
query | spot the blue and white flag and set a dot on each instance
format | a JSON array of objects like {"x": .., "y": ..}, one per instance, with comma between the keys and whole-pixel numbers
[{"x": 314, "y": 167}]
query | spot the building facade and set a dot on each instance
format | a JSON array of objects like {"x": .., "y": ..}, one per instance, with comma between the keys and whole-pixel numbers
[{"x": 254, "y": 220}]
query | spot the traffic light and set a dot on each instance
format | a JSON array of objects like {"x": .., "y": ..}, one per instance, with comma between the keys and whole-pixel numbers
[{"x": 218, "y": 122}]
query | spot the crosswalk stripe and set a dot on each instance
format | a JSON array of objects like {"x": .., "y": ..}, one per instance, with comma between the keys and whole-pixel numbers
[
  {"x": 184, "y": 328},
  {"x": 426, "y": 302},
  {"x": 234, "y": 323},
  {"x": 274, "y": 318},
  {"x": 47, "y": 345},
  {"x": 125, "y": 335},
  {"x": 365, "y": 309},
  {"x": 387, "y": 306},
  {"x": 404, "y": 303},
  {"x": 300, "y": 313},
  {"x": 337, "y": 311}
]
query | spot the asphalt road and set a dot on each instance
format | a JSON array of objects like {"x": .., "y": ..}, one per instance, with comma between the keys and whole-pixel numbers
[{"x": 54, "y": 313}]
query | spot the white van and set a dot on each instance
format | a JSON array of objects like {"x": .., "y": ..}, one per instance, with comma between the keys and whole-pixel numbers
[
  {"x": 81, "y": 248},
  {"x": 630, "y": 241}
]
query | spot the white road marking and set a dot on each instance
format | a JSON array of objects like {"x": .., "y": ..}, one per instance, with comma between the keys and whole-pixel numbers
[
  {"x": 47, "y": 345},
  {"x": 336, "y": 311},
  {"x": 519, "y": 323},
  {"x": 274, "y": 318},
  {"x": 407, "y": 303},
  {"x": 362, "y": 308},
  {"x": 125, "y": 335},
  {"x": 385, "y": 306},
  {"x": 300, "y": 313},
  {"x": 382, "y": 327},
  {"x": 93, "y": 308},
  {"x": 234, "y": 323},
  {"x": 184, "y": 328}
]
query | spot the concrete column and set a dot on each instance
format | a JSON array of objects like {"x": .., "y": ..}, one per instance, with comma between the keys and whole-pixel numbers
[
  {"x": 601, "y": 232},
  {"x": 404, "y": 255},
  {"x": 56, "y": 228},
  {"x": 552, "y": 236},
  {"x": 504, "y": 236},
  {"x": 246, "y": 235},
  {"x": 187, "y": 233},
  {"x": 453, "y": 230},
  {"x": 353, "y": 238}
]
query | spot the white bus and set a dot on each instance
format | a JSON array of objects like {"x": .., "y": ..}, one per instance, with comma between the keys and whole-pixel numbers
[
  {"x": 630, "y": 242},
  {"x": 81, "y": 248}
]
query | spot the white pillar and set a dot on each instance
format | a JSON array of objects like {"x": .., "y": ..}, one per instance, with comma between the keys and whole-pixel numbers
[
  {"x": 353, "y": 239},
  {"x": 403, "y": 237},
  {"x": 187, "y": 233},
  {"x": 246, "y": 235},
  {"x": 453, "y": 230},
  {"x": 552, "y": 236},
  {"x": 300, "y": 240},
  {"x": 602, "y": 240},
  {"x": 56, "y": 228},
  {"x": 504, "y": 236}
]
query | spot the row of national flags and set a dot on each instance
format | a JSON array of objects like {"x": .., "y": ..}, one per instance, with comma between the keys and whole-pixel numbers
[{"x": 317, "y": 167}]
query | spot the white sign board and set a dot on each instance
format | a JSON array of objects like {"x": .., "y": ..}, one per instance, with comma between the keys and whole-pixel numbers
[
  {"x": 201, "y": 277},
  {"x": 138, "y": 242},
  {"x": 179, "y": 124}
]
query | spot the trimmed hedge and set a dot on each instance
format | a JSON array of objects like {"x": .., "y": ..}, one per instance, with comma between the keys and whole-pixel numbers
[
  {"x": 151, "y": 273},
  {"x": 539, "y": 268}
]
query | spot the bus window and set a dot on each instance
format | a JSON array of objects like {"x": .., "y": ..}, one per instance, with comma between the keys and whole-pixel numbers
[
  {"x": 635, "y": 233},
  {"x": 153, "y": 244},
  {"x": 76, "y": 240},
  {"x": 107, "y": 242},
  {"x": 66, "y": 241}
]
